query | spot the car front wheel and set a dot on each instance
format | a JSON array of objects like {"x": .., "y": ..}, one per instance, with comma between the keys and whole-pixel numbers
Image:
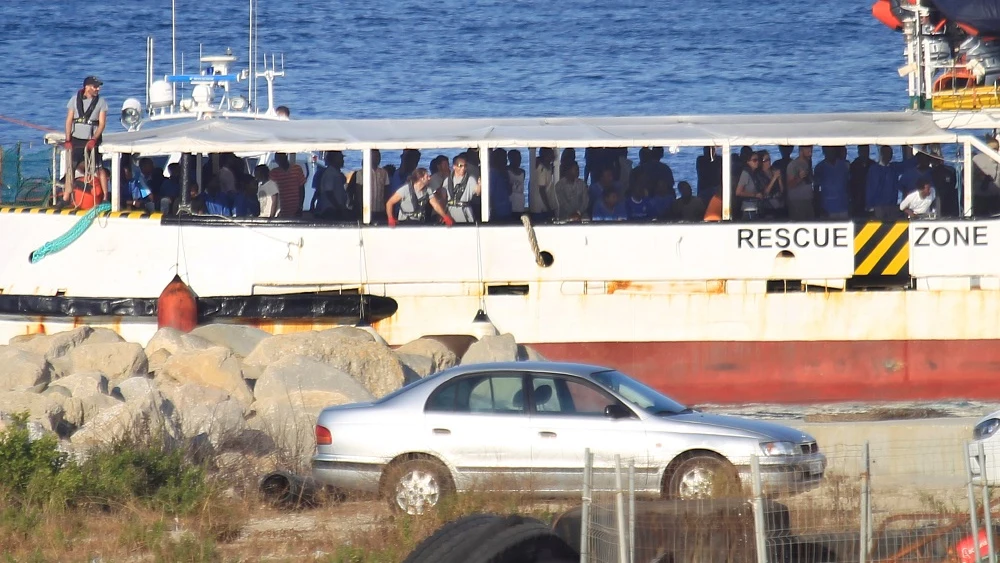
[
  {"x": 417, "y": 485},
  {"x": 701, "y": 476}
]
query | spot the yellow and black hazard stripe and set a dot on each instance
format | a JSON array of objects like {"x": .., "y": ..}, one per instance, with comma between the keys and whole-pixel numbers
[
  {"x": 882, "y": 249},
  {"x": 56, "y": 211}
]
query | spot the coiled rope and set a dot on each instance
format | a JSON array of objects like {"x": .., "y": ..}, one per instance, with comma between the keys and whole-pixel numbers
[{"x": 71, "y": 235}]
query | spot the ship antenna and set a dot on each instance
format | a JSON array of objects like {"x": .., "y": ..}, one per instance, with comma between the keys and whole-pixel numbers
[{"x": 173, "y": 43}]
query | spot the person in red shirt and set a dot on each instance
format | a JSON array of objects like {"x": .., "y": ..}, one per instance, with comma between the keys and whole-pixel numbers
[{"x": 291, "y": 181}]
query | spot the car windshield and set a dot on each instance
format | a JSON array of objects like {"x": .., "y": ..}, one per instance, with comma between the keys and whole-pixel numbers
[{"x": 640, "y": 395}]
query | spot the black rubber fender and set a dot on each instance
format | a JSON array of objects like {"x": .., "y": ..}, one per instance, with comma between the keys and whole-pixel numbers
[
  {"x": 471, "y": 542},
  {"x": 528, "y": 542},
  {"x": 444, "y": 538}
]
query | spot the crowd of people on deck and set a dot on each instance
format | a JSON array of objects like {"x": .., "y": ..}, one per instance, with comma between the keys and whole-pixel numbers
[{"x": 609, "y": 188}]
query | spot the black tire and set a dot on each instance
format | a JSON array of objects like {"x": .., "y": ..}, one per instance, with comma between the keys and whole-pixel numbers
[
  {"x": 682, "y": 482},
  {"x": 430, "y": 476},
  {"x": 459, "y": 553},
  {"x": 447, "y": 534},
  {"x": 527, "y": 542}
]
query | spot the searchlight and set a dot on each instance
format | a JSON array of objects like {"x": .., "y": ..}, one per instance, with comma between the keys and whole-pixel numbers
[{"x": 131, "y": 114}]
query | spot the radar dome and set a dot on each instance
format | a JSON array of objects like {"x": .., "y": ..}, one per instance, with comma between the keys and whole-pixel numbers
[{"x": 161, "y": 95}]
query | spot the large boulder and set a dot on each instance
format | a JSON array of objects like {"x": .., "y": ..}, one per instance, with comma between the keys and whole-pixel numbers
[
  {"x": 156, "y": 360},
  {"x": 348, "y": 349},
  {"x": 441, "y": 356},
  {"x": 45, "y": 409},
  {"x": 23, "y": 371},
  {"x": 292, "y": 431},
  {"x": 208, "y": 411},
  {"x": 214, "y": 367},
  {"x": 73, "y": 409},
  {"x": 501, "y": 348},
  {"x": 527, "y": 353},
  {"x": 83, "y": 384},
  {"x": 415, "y": 367},
  {"x": 240, "y": 339},
  {"x": 175, "y": 342},
  {"x": 60, "y": 343},
  {"x": 118, "y": 360},
  {"x": 307, "y": 384},
  {"x": 144, "y": 414}
]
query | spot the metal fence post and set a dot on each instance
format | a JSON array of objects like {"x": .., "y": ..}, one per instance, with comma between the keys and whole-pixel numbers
[
  {"x": 987, "y": 516},
  {"x": 758, "y": 510},
  {"x": 588, "y": 467},
  {"x": 620, "y": 510},
  {"x": 973, "y": 518},
  {"x": 631, "y": 511},
  {"x": 863, "y": 545}
]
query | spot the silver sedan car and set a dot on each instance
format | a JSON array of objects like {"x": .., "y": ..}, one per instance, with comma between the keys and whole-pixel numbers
[{"x": 524, "y": 426}]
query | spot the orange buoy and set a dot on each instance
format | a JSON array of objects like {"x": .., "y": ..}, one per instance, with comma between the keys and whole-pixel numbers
[{"x": 177, "y": 306}]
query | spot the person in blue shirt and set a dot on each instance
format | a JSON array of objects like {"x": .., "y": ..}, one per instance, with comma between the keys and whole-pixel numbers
[
  {"x": 610, "y": 207},
  {"x": 882, "y": 186},
  {"x": 604, "y": 180},
  {"x": 831, "y": 177},
  {"x": 500, "y": 203},
  {"x": 216, "y": 201},
  {"x": 170, "y": 189},
  {"x": 638, "y": 205},
  {"x": 662, "y": 199}
]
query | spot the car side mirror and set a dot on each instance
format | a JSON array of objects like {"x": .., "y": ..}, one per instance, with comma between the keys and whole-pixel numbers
[{"x": 617, "y": 411}]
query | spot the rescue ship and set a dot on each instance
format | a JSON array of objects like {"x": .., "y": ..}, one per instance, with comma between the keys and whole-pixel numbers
[{"x": 726, "y": 312}]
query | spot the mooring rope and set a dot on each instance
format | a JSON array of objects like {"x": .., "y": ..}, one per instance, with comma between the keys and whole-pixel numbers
[
  {"x": 71, "y": 235},
  {"x": 533, "y": 240}
]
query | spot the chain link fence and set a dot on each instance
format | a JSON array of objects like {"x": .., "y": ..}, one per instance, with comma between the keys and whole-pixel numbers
[
  {"x": 905, "y": 501},
  {"x": 25, "y": 173}
]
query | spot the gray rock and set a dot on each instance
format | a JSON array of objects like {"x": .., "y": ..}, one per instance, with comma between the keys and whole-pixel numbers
[
  {"x": 240, "y": 339},
  {"x": 59, "y": 344},
  {"x": 94, "y": 404},
  {"x": 440, "y": 355},
  {"x": 374, "y": 365},
  {"x": 120, "y": 422},
  {"x": 292, "y": 431},
  {"x": 84, "y": 384},
  {"x": 206, "y": 411},
  {"x": 46, "y": 409},
  {"x": 417, "y": 367},
  {"x": 118, "y": 360},
  {"x": 214, "y": 367},
  {"x": 156, "y": 360},
  {"x": 306, "y": 384},
  {"x": 144, "y": 414},
  {"x": 23, "y": 371},
  {"x": 502, "y": 348},
  {"x": 73, "y": 409},
  {"x": 175, "y": 342}
]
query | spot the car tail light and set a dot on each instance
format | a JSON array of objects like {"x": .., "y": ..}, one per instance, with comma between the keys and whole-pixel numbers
[{"x": 323, "y": 436}]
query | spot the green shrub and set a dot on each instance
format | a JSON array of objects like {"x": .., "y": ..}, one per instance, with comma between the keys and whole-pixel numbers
[{"x": 36, "y": 474}]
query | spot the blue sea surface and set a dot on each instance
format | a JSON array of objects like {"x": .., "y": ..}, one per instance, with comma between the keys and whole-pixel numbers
[{"x": 356, "y": 59}]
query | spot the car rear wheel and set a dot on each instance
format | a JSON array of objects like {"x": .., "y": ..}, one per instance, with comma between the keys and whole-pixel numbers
[
  {"x": 701, "y": 476},
  {"x": 417, "y": 485}
]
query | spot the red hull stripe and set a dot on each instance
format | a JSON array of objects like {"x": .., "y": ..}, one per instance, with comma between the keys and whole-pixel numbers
[{"x": 800, "y": 372}]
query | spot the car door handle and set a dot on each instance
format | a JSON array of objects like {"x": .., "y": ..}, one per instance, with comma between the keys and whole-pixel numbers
[
  {"x": 544, "y": 434},
  {"x": 442, "y": 431}
]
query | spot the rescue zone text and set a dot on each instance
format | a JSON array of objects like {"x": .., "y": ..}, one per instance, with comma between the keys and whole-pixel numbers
[{"x": 793, "y": 237}]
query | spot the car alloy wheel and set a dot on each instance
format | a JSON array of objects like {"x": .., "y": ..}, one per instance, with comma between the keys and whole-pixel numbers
[
  {"x": 701, "y": 477},
  {"x": 419, "y": 486}
]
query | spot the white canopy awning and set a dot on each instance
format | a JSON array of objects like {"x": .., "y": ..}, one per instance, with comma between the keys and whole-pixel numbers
[{"x": 232, "y": 135}]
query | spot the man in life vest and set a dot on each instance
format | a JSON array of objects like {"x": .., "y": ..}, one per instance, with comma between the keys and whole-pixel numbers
[
  {"x": 458, "y": 191},
  {"x": 86, "y": 115},
  {"x": 89, "y": 189}
]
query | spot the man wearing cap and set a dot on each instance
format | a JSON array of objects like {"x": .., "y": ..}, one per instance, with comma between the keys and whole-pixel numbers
[{"x": 86, "y": 115}]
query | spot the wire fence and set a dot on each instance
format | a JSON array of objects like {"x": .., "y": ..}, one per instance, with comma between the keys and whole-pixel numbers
[
  {"x": 25, "y": 173},
  {"x": 908, "y": 501}
]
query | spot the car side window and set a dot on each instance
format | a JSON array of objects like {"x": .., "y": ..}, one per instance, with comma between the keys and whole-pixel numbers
[
  {"x": 563, "y": 395},
  {"x": 499, "y": 393}
]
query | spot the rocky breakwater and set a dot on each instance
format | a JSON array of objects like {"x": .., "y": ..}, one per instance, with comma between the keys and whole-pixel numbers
[{"x": 231, "y": 389}]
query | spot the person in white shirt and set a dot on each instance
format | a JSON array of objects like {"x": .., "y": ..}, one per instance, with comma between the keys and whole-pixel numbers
[
  {"x": 267, "y": 192},
  {"x": 921, "y": 202}
]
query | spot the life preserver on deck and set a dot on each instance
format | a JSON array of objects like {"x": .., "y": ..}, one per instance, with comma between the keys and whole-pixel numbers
[
  {"x": 177, "y": 307},
  {"x": 87, "y": 192}
]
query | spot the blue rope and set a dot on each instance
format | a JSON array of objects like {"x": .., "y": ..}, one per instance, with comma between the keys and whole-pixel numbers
[{"x": 71, "y": 235}]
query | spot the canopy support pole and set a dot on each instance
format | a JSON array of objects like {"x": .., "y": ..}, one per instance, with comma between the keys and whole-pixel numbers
[
  {"x": 727, "y": 182},
  {"x": 366, "y": 186},
  {"x": 967, "y": 179},
  {"x": 116, "y": 182},
  {"x": 484, "y": 182}
]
